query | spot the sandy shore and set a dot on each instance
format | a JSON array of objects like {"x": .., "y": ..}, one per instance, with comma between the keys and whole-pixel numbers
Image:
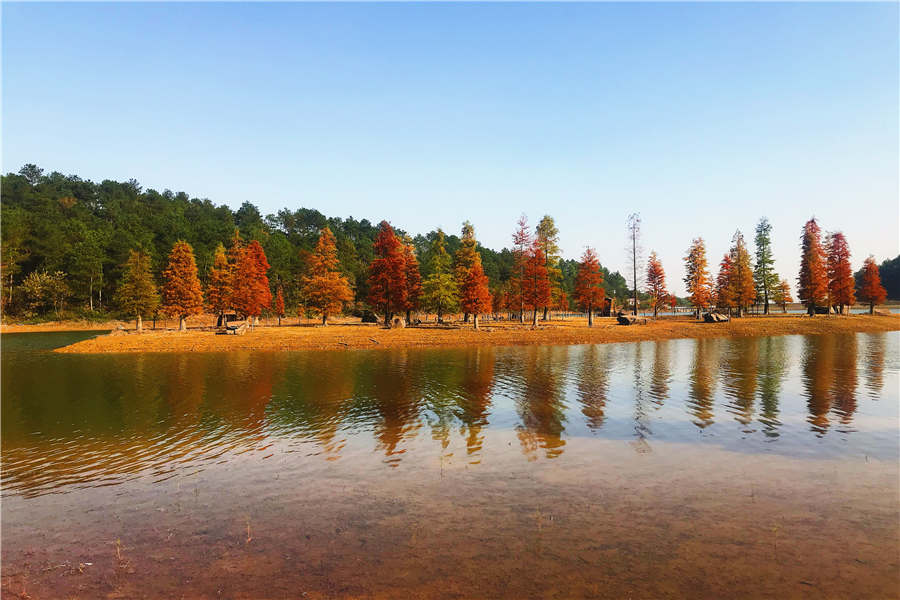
[
  {"x": 63, "y": 326},
  {"x": 571, "y": 331}
]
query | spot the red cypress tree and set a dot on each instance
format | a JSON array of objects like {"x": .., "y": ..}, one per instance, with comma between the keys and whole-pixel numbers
[
  {"x": 589, "y": 291},
  {"x": 219, "y": 290},
  {"x": 841, "y": 285},
  {"x": 413, "y": 280},
  {"x": 536, "y": 282},
  {"x": 656, "y": 284},
  {"x": 251, "y": 282},
  {"x": 387, "y": 274},
  {"x": 326, "y": 290},
  {"x": 724, "y": 294},
  {"x": 871, "y": 291},
  {"x": 182, "y": 294},
  {"x": 474, "y": 295},
  {"x": 743, "y": 288},
  {"x": 697, "y": 276},
  {"x": 782, "y": 295},
  {"x": 813, "y": 279}
]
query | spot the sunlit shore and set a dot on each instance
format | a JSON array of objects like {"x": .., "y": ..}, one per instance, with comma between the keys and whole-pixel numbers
[{"x": 574, "y": 330}]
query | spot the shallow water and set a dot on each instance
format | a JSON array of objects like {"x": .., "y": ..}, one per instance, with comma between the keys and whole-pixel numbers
[{"x": 702, "y": 468}]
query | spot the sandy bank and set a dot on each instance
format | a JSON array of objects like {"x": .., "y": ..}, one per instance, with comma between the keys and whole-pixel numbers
[{"x": 571, "y": 331}]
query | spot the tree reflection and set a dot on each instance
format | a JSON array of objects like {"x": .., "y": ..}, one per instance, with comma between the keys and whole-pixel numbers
[
  {"x": 844, "y": 384},
  {"x": 593, "y": 384},
  {"x": 660, "y": 373},
  {"x": 772, "y": 370},
  {"x": 875, "y": 350},
  {"x": 817, "y": 368},
  {"x": 474, "y": 400},
  {"x": 702, "y": 381},
  {"x": 641, "y": 427},
  {"x": 739, "y": 374},
  {"x": 541, "y": 405}
]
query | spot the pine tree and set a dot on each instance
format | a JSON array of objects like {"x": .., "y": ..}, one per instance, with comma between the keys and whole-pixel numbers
[
  {"x": 441, "y": 293},
  {"x": 871, "y": 291},
  {"x": 841, "y": 285},
  {"x": 137, "y": 294},
  {"x": 182, "y": 295},
  {"x": 589, "y": 291},
  {"x": 656, "y": 284},
  {"x": 413, "y": 280},
  {"x": 697, "y": 279},
  {"x": 475, "y": 297},
  {"x": 251, "y": 283},
  {"x": 521, "y": 244},
  {"x": 813, "y": 279},
  {"x": 536, "y": 284},
  {"x": 724, "y": 293},
  {"x": 764, "y": 276},
  {"x": 326, "y": 290},
  {"x": 387, "y": 274},
  {"x": 218, "y": 288},
  {"x": 465, "y": 258},
  {"x": 743, "y": 290},
  {"x": 547, "y": 236}
]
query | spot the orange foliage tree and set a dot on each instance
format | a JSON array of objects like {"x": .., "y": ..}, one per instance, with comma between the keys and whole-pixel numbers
[
  {"x": 182, "y": 295},
  {"x": 474, "y": 295},
  {"x": 813, "y": 279},
  {"x": 743, "y": 288},
  {"x": 413, "y": 280},
  {"x": 871, "y": 291},
  {"x": 589, "y": 291},
  {"x": 724, "y": 295},
  {"x": 326, "y": 290},
  {"x": 218, "y": 288},
  {"x": 387, "y": 274},
  {"x": 696, "y": 277},
  {"x": 841, "y": 285},
  {"x": 782, "y": 295},
  {"x": 536, "y": 283},
  {"x": 656, "y": 284},
  {"x": 251, "y": 282},
  {"x": 278, "y": 305}
]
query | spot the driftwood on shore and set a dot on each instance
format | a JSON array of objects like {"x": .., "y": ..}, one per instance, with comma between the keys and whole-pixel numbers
[
  {"x": 631, "y": 320},
  {"x": 236, "y": 329}
]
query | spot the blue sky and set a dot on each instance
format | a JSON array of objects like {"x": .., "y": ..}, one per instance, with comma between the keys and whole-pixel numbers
[{"x": 702, "y": 117}]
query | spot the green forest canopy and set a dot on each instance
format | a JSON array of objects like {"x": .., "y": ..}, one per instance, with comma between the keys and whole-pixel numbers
[{"x": 59, "y": 223}]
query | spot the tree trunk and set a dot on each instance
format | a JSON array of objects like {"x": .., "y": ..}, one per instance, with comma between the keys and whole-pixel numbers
[
  {"x": 546, "y": 312},
  {"x": 474, "y": 321},
  {"x": 279, "y": 320},
  {"x": 534, "y": 318},
  {"x": 182, "y": 323},
  {"x": 871, "y": 308},
  {"x": 324, "y": 320},
  {"x": 91, "y": 294},
  {"x": 139, "y": 324},
  {"x": 811, "y": 309},
  {"x": 408, "y": 317},
  {"x": 740, "y": 311},
  {"x": 522, "y": 312},
  {"x": 590, "y": 316},
  {"x": 766, "y": 299},
  {"x": 440, "y": 314},
  {"x": 465, "y": 317}
]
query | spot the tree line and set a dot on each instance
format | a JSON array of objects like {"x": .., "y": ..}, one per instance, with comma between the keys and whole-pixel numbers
[{"x": 71, "y": 245}]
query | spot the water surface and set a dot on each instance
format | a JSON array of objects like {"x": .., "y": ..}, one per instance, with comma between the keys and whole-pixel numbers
[{"x": 749, "y": 466}]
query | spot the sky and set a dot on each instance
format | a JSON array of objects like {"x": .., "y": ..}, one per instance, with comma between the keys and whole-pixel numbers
[{"x": 701, "y": 117}]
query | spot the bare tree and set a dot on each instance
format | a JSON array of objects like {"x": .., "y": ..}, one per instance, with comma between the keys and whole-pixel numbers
[{"x": 634, "y": 253}]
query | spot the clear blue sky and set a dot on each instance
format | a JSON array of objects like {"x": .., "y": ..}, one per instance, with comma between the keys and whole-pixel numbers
[{"x": 702, "y": 117}]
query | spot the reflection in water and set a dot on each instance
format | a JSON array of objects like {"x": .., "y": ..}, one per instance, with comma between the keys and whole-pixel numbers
[
  {"x": 773, "y": 363},
  {"x": 73, "y": 421},
  {"x": 739, "y": 372},
  {"x": 593, "y": 384},
  {"x": 541, "y": 404},
  {"x": 702, "y": 380}
]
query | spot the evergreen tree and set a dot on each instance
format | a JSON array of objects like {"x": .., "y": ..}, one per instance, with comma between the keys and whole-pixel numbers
[
  {"x": 182, "y": 295},
  {"x": 546, "y": 235},
  {"x": 278, "y": 304},
  {"x": 440, "y": 288},
  {"x": 764, "y": 275},
  {"x": 137, "y": 294}
]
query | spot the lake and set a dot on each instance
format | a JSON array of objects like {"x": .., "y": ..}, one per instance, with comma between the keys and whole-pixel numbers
[{"x": 754, "y": 467}]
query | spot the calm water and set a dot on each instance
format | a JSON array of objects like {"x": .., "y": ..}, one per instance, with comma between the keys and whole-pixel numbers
[{"x": 751, "y": 466}]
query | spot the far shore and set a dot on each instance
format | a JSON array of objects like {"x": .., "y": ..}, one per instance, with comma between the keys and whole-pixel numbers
[{"x": 352, "y": 335}]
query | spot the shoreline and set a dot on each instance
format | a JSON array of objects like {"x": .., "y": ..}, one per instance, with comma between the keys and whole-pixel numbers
[{"x": 572, "y": 331}]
